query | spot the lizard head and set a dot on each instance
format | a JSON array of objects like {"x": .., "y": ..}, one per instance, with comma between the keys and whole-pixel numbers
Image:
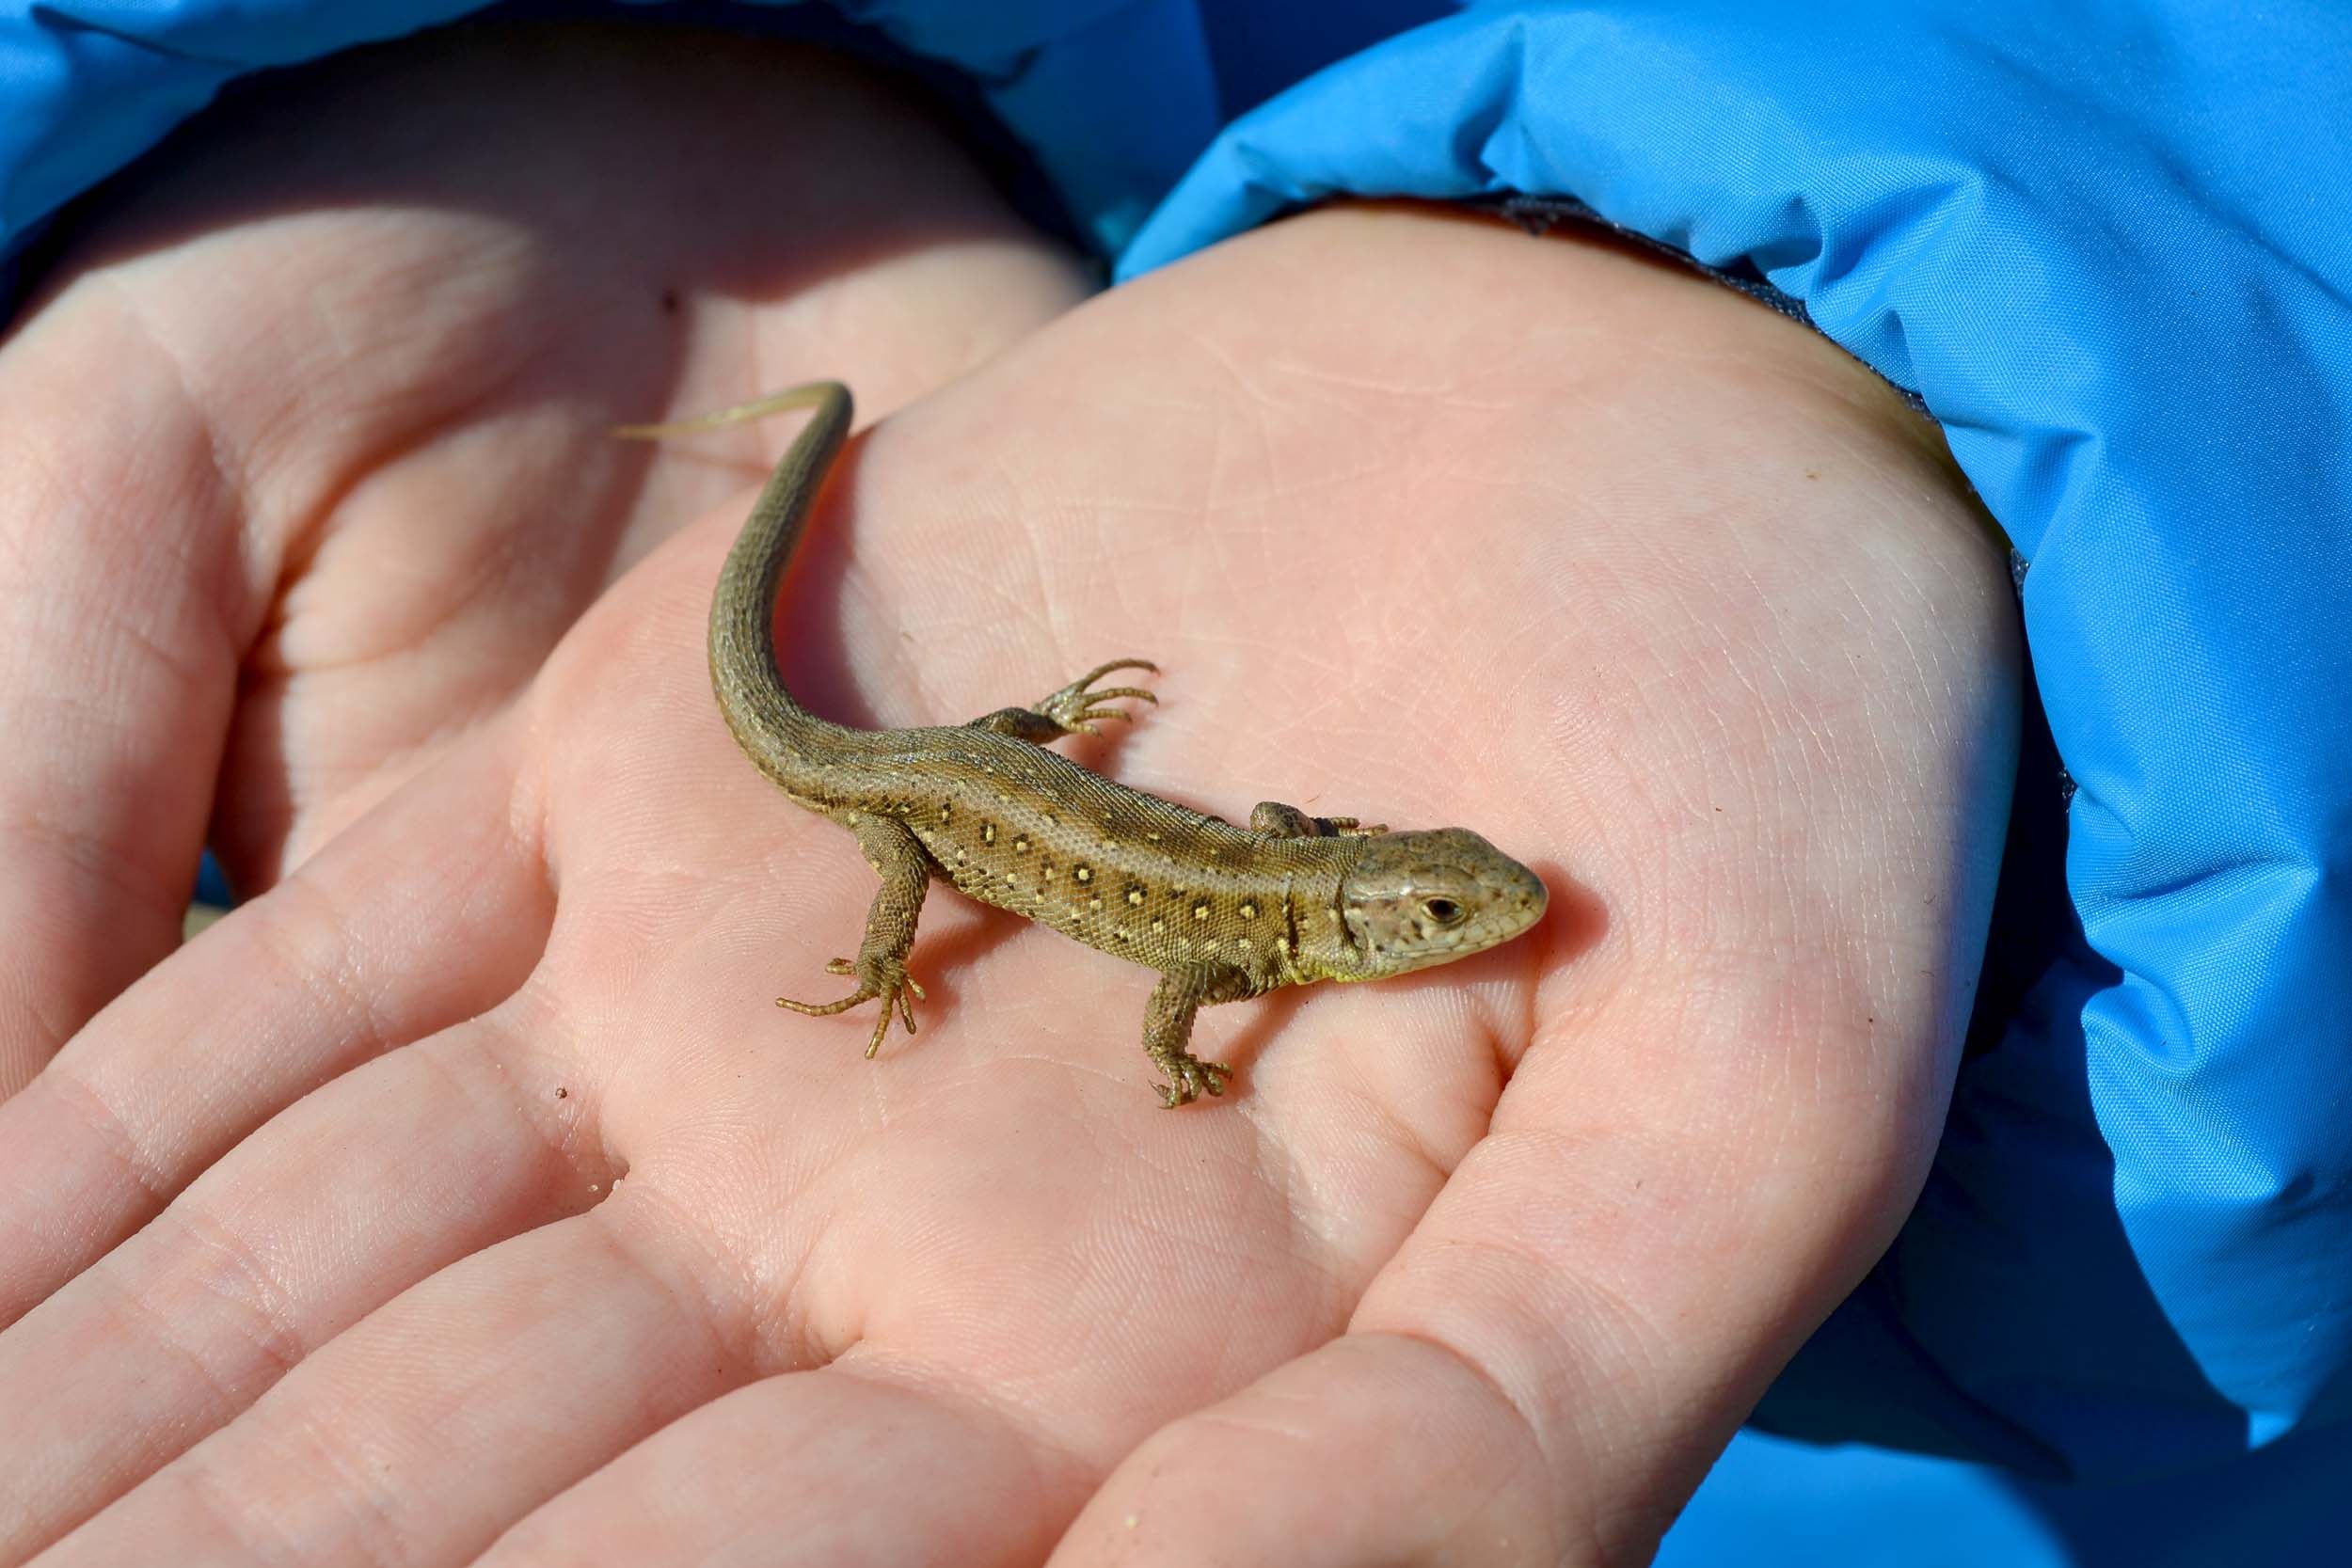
[{"x": 1414, "y": 899}]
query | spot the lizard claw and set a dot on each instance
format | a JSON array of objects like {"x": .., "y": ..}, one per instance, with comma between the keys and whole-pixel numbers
[
  {"x": 889, "y": 980},
  {"x": 1190, "y": 1078},
  {"x": 1077, "y": 709}
]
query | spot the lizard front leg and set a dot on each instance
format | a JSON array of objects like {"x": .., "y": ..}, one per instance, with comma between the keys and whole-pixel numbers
[
  {"x": 1168, "y": 1030},
  {"x": 1072, "y": 709},
  {"x": 881, "y": 965},
  {"x": 1277, "y": 821}
]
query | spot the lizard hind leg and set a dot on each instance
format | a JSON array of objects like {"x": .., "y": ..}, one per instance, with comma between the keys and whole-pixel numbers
[
  {"x": 893, "y": 994},
  {"x": 880, "y": 968},
  {"x": 889, "y": 990},
  {"x": 1077, "y": 708}
]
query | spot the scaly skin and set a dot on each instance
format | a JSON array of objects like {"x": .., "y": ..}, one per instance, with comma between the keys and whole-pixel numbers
[{"x": 1223, "y": 912}]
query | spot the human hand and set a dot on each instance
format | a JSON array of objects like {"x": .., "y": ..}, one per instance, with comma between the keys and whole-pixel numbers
[
  {"x": 305, "y": 444},
  {"x": 1428, "y": 523}
]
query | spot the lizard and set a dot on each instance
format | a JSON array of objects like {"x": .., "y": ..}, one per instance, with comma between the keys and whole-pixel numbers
[{"x": 1223, "y": 912}]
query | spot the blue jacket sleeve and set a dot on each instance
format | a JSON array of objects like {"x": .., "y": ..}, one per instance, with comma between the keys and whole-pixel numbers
[
  {"x": 2108, "y": 247},
  {"x": 1110, "y": 97}
]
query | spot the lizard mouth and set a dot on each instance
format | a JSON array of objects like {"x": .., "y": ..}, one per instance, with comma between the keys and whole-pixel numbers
[{"x": 1419, "y": 900}]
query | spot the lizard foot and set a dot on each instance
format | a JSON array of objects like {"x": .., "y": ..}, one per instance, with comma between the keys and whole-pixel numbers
[
  {"x": 888, "y": 980},
  {"x": 1075, "y": 708},
  {"x": 1190, "y": 1078},
  {"x": 1277, "y": 821}
]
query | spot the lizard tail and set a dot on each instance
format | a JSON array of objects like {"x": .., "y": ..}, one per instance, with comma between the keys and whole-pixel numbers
[{"x": 773, "y": 729}]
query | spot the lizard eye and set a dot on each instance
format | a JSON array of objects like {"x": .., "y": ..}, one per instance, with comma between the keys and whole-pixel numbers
[{"x": 1445, "y": 911}]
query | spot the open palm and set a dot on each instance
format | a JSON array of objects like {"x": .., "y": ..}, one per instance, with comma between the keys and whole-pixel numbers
[
  {"x": 303, "y": 460},
  {"x": 497, "y": 1212}
]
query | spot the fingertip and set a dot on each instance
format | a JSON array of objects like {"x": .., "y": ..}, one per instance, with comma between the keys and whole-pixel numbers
[{"x": 1374, "y": 1448}]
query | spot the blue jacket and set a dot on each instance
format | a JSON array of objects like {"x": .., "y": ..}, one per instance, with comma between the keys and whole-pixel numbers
[{"x": 2107, "y": 247}]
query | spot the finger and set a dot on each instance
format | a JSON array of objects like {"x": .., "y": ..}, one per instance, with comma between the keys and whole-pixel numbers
[
  {"x": 1452, "y": 1475},
  {"x": 122, "y": 614},
  {"x": 1582, "y": 1317},
  {"x": 425, "y": 1431},
  {"x": 347, "y": 1198},
  {"x": 428, "y": 911},
  {"x": 853, "y": 1463}
]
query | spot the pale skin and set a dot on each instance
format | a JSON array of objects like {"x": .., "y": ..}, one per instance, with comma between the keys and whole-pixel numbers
[{"x": 492, "y": 1212}]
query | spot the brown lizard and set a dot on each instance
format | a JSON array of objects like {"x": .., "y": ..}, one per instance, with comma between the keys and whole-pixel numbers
[{"x": 1223, "y": 912}]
